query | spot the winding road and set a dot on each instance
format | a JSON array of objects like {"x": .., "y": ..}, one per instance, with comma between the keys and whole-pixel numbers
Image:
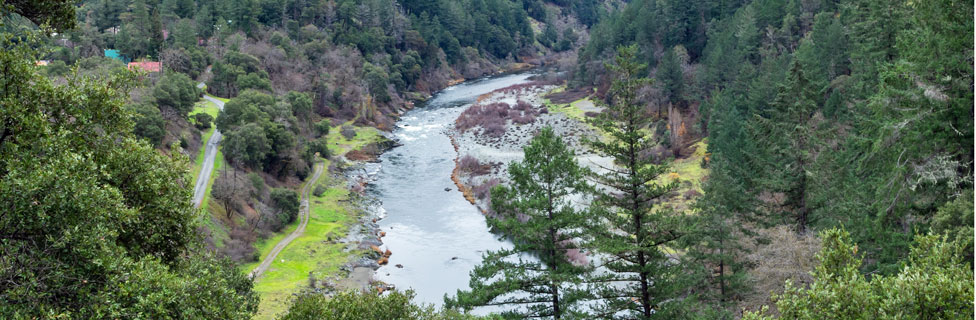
[
  {"x": 210, "y": 153},
  {"x": 304, "y": 212}
]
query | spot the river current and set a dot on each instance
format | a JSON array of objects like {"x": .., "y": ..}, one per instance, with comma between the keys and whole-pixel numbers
[{"x": 435, "y": 235}]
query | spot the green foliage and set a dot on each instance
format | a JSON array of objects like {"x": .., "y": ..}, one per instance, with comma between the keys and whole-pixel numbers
[
  {"x": 203, "y": 120},
  {"x": 320, "y": 146},
  {"x": 319, "y": 190},
  {"x": 247, "y": 145},
  {"x": 671, "y": 77},
  {"x": 936, "y": 283},
  {"x": 58, "y": 14},
  {"x": 234, "y": 71},
  {"x": 322, "y": 127},
  {"x": 377, "y": 80},
  {"x": 177, "y": 91},
  {"x": 365, "y": 305},
  {"x": 536, "y": 211},
  {"x": 149, "y": 123},
  {"x": 57, "y": 68},
  {"x": 301, "y": 105},
  {"x": 100, "y": 225},
  {"x": 627, "y": 226},
  {"x": 285, "y": 200}
]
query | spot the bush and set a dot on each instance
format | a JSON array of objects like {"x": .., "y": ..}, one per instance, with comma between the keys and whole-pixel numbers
[
  {"x": 247, "y": 145},
  {"x": 471, "y": 165},
  {"x": 322, "y": 127},
  {"x": 285, "y": 200},
  {"x": 57, "y": 68},
  {"x": 256, "y": 182},
  {"x": 149, "y": 123},
  {"x": 319, "y": 190},
  {"x": 483, "y": 191},
  {"x": 320, "y": 145},
  {"x": 177, "y": 91},
  {"x": 355, "y": 305},
  {"x": 348, "y": 132},
  {"x": 204, "y": 120}
]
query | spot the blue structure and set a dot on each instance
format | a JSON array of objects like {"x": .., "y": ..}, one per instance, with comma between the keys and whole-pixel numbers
[{"x": 114, "y": 54}]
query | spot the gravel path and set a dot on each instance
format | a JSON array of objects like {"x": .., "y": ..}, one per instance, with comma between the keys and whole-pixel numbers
[
  {"x": 210, "y": 154},
  {"x": 304, "y": 212}
]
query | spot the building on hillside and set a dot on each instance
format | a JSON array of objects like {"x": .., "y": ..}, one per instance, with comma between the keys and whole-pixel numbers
[
  {"x": 41, "y": 63},
  {"x": 147, "y": 66}
]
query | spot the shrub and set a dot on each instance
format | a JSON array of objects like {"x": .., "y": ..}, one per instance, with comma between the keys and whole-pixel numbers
[
  {"x": 471, "y": 165},
  {"x": 483, "y": 190},
  {"x": 356, "y": 305},
  {"x": 177, "y": 91},
  {"x": 285, "y": 200},
  {"x": 257, "y": 182},
  {"x": 322, "y": 127},
  {"x": 494, "y": 130},
  {"x": 320, "y": 145},
  {"x": 348, "y": 132},
  {"x": 149, "y": 123},
  {"x": 490, "y": 117},
  {"x": 319, "y": 190},
  {"x": 203, "y": 120}
]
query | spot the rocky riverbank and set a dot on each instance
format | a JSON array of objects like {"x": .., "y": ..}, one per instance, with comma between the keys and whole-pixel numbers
[{"x": 491, "y": 133}]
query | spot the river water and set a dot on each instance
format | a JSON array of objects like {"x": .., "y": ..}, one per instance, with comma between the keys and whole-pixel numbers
[{"x": 436, "y": 235}]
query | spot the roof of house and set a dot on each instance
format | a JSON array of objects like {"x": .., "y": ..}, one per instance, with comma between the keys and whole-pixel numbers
[{"x": 148, "y": 66}]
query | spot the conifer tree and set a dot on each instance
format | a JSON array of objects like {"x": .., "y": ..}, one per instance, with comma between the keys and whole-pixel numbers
[
  {"x": 789, "y": 134},
  {"x": 628, "y": 230},
  {"x": 535, "y": 210}
]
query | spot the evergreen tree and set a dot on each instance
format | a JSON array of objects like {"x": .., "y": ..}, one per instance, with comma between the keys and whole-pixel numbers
[
  {"x": 671, "y": 77},
  {"x": 537, "y": 212},
  {"x": 629, "y": 231},
  {"x": 789, "y": 134}
]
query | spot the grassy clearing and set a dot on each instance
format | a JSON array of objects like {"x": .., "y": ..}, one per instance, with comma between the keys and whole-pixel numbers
[
  {"x": 312, "y": 253},
  {"x": 339, "y": 145},
  {"x": 689, "y": 173}
]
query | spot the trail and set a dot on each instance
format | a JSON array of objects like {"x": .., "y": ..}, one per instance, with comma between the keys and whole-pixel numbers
[
  {"x": 210, "y": 154},
  {"x": 304, "y": 212}
]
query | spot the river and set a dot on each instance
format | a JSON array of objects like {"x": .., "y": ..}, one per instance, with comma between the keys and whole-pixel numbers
[{"x": 435, "y": 235}]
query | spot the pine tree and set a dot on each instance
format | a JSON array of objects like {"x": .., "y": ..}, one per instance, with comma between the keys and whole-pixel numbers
[
  {"x": 671, "y": 77},
  {"x": 789, "y": 134},
  {"x": 629, "y": 231},
  {"x": 720, "y": 213},
  {"x": 537, "y": 213}
]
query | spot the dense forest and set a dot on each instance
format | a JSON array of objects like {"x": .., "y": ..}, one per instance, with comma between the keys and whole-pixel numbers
[{"x": 838, "y": 140}]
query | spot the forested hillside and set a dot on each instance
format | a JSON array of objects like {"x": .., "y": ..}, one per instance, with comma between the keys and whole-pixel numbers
[
  {"x": 292, "y": 70},
  {"x": 682, "y": 159},
  {"x": 817, "y": 114}
]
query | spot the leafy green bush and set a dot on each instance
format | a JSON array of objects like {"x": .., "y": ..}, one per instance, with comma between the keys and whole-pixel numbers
[
  {"x": 178, "y": 91},
  {"x": 149, "y": 123},
  {"x": 285, "y": 200},
  {"x": 204, "y": 120},
  {"x": 322, "y": 127},
  {"x": 365, "y": 305},
  {"x": 319, "y": 190}
]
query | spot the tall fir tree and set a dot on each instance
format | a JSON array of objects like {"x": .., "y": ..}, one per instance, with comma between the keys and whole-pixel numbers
[
  {"x": 537, "y": 212},
  {"x": 629, "y": 231},
  {"x": 790, "y": 136}
]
